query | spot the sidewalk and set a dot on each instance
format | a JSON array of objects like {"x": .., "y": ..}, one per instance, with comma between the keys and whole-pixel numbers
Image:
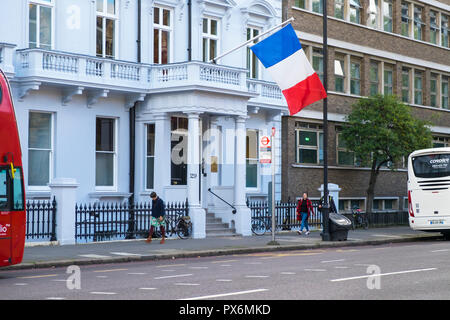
[{"x": 139, "y": 250}]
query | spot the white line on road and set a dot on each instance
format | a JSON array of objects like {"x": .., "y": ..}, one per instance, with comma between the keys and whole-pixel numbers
[
  {"x": 329, "y": 261},
  {"x": 137, "y": 273},
  {"x": 287, "y": 273},
  {"x": 441, "y": 250},
  {"x": 252, "y": 263},
  {"x": 383, "y": 274},
  {"x": 224, "y": 280},
  {"x": 55, "y": 298},
  {"x": 147, "y": 288},
  {"x": 174, "y": 276},
  {"x": 225, "y": 265},
  {"x": 256, "y": 276},
  {"x": 225, "y": 294},
  {"x": 104, "y": 293},
  {"x": 168, "y": 270},
  {"x": 96, "y": 256},
  {"x": 125, "y": 254},
  {"x": 186, "y": 284},
  {"x": 385, "y": 235},
  {"x": 20, "y": 284},
  {"x": 198, "y": 267},
  {"x": 341, "y": 267},
  {"x": 316, "y": 270}
]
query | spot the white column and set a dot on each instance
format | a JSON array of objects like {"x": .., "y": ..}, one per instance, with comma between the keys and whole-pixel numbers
[
  {"x": 243, "y": 215},
  {"x": 162, "y": 153},
  {"x": 212, "y": 151},
  {"x": 276, "y": 122},
  {"x": 65, "y": 190},
  {"x": 196, "y": 212}
]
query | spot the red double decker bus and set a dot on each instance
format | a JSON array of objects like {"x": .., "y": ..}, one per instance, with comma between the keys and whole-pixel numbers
[{"x": 12, "y": 195}]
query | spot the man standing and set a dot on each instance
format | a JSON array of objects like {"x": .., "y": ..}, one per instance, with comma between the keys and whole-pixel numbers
[
  {"x": 304, "y": 210},
  {"x": 157, "y": 217}
]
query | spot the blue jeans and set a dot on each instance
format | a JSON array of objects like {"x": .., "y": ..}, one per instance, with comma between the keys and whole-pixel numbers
[{"x": 304, "y": 221}]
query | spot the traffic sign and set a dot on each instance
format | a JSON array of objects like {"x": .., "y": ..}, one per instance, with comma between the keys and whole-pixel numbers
[{"x": 265, "y": 150}]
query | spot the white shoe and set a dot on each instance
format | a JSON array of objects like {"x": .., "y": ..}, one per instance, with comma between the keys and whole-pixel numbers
[
  {"x": 299, "y": 232},
  {"x": 307, "y": 232}
]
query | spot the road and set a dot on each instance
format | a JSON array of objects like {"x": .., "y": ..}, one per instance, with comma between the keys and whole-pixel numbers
[{"x": 418, "y": 270}]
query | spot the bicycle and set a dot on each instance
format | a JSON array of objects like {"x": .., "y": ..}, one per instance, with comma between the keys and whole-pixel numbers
[
  {"x": 181, "y": 225},
  {"x": 359, "y": 219},
  {"x": 261, "y": 224}
]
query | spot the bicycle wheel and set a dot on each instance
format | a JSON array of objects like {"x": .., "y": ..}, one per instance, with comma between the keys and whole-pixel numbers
[
  {"x": 184, "y": 229},
  {"x": 258, "y": 227}
]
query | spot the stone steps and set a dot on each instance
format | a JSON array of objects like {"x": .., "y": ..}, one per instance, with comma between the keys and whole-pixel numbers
[{"x": 216, "y": 228}]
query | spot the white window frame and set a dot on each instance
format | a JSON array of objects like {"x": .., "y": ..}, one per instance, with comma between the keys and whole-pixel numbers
[
  {"x": 441, "y": 94},
  {"x": 210, "y": 36},
  {"x": 115, "y": 154},
  {"x": 299, "y": 146},
  {"x": 258, "y": 135},
  {"x": 105, "y": 15},
  {"x": 250, "y": 55},
  {"x": 51, "y": 154},
  {"x": 146, "y": 156},
  {"x": 163, "y": 28},
  {"x": 415, "y": 90},
  {"x": 395, "y": 207},
  {"x": 348, "y": 200},
  {"x": 38, "y": 3}
]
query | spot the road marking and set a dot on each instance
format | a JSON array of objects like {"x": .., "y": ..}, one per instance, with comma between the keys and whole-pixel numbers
[
  {"x": 349, "y": 250},
  {"x": 105, "y": 293},
  {"x": 96, "y": 256},
  {"x": 224, "y": 280},
  {"x": 111, "y": 270},
  {"x": 36, "y": 277},
  {"x": 441, "y": 250},
  {"x": 198, "y": 267},
  {"x": 329, "y": 261},
  {"x": 20, "y": 284},
  {"x": 287, "y": 272},
  {"x": 256, "y": 276},
  {"x": 385, "y": 235},
  {"x": 125, "y": 254},
  {"x": 102, "y": 277},
  {"x": 186, "y": 284},
  {"x": 383, "y": 274},
  {"x": 225, "y": 265},
  {"x": 315, "y": 270},
  {"x": 226, "y": 294},
  {"x": 281, "y": 255},
  {"x": 137, "y": 273},
  {"x": 252, "y": 262},
  {"x": 55, "y": 298},
  {"x": 222, "y": 261},
  {"x": 147, "y": 288},
  {"x": 171, "y": 265},
  {"x": 168, "y": 270},
  {"x": 341, "y": 267},
  {"x": 175, "y": 276}
]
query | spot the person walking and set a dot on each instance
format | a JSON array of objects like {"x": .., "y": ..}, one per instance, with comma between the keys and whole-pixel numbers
[
  {"x": 304, "y": 209},
  {"x": 157, "y": 217}
]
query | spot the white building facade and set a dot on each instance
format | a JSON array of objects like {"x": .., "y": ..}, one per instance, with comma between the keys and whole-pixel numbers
[{"x": 118, "y": 97}]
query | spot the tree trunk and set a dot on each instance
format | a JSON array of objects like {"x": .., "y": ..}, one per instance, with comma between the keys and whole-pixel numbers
[{"x": 371, "y": 189}]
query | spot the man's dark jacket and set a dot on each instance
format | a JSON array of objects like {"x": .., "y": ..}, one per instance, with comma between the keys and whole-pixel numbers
[{"x": 158, "y": 209}]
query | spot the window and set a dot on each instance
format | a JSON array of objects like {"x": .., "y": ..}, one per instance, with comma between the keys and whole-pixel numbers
[
  {"x": 418, "y": 88},
  {"x": 355, "y": 11},
  {"x": 300, "y": 4},
  {"x": 39, "y": 148},
  {"x": 372, "y": 14},
  {"x": 405, "y": 85},
  {"x": 105, "y": 155},
  {"x": 252, "y": 60},
  {"x": 3, "y": 188},
  {"x": 345, "y": 157},
  {"x": 387, "y": 15},
  {"x": 161, "y": 35},
  {"x": 150, "y": 156},
  {"x": 418, "y": 23},
  {"x": 11, "y": 191},
  {"x": 433, "y": 90},
  {"x": 385, "y": 204},
  {"x": 309, "y": 146},
  {"x": 318, "y": 62},
  {"x": 405, "y": 24},
  {"x": 388, "y": 79},
  {"x": 40, "y": 15},
  {"x": 444, "y": 30},
  {"x": 339, "y": 75},
  {"x": 252, "y": 159},
  {"x": 179, "y": 138},
  {"x": 434, "y": 27},
  {"x": 210, "y": 39},
  {"x": 355, "y": 78},
  {"x": 444, "y": 93},
  {"x": 373, "y": 78},
  {"x": 106, "y": 28},
  {"x": 339, "y": 6},
  {"x": 317, "y": 6},
  {"x": 346, "y": 205},
  {"x": 441, "y": 142}
]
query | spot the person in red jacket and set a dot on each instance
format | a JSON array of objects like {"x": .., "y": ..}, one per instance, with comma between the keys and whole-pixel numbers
[{"x": 304, "y": 210}]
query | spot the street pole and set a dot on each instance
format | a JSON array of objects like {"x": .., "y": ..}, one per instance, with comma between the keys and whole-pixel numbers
[
  {"x": 325, "y": 205},
  {"x": 273, "y": 242}
]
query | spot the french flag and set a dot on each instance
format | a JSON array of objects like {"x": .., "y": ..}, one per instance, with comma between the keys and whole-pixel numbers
[{"x": 282, "y": 55}]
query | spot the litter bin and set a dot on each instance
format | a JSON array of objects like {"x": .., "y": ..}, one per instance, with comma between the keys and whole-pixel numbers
[{"x": 339, "y": 226}]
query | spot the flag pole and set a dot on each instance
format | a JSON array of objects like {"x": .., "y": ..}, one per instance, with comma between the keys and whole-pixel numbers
[
  {"x": 214, "y": 60},
  {"x": 325, "y": 205}
]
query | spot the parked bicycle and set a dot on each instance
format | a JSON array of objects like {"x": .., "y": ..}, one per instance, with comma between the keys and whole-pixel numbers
[
  {"x": 261, "y": 223},
  {"x": 181, "y": 225},
  {"x": 359, "y": 219}
]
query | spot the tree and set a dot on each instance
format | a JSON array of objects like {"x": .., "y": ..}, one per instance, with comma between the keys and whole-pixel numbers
[{"x": 381, "y": 131}]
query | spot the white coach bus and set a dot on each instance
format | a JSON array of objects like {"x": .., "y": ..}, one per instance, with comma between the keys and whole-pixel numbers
[{"x": 429, "y": 190}]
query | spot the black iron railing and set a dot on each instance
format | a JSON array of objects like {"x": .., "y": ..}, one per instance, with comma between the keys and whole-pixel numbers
[
  {"x": 233, "y": 207},
  {"x": 41, "y": 219},
  {"x": 112, "y": 221}
]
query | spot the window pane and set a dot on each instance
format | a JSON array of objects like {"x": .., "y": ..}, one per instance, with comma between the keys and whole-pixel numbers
[
  {"x": 150, "y": 140},
  {"x": 18, "y": 191},
  {"x": 308, "y": 156},
  {"x": 387, "y": 15},
  {"x": 156, "y": 15},
  {"x": 166, "y": 18},
  {"x": 99, "y": 39},
  {"x": 100, "y": 5},
  {"x": 104, "y": 170},
  {"x": 308, "y": 138},
  {"x": 212, "y": 49},
  {"x": 39, "y": 133},
  {"x": 346, "y": 158},
  {"x": 111, "y": 6},
  {"x": 109, "y": 38},
  {"x": 214, "y": 27},
  {"x": 105, "y": 135},
  {"x": 3, "y": 190},
  {"x": 164, "y": 47},
  {"x": 205, "y": 25},
  {"x": 38, "y": 167},
  {"x": 32, "y": 26},
  {"x": 252, "y": 173},
  {"x": 339, "y": 9},
  {"x": 252, "y": 144},
  {"x": 205, "y": 49},
  {"x": 150, "y": 172},
  {"x": 45, "y": 32},
  {"x": 155, "y": 46},
  {"x": 317, "y": 6},
  {"x": 300, "y": 4},
  {"x": 388, "y": 204}
]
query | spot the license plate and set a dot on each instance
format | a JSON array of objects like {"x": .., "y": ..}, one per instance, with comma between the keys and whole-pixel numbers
[{"x": 436, "y": 221}]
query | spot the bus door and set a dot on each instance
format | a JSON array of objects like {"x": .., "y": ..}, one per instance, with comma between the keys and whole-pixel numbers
[{"x": 5, "y": 219}]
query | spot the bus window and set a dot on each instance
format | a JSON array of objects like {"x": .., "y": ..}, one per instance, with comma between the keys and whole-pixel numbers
[
  {"x": 432, "y": 166},
  {"x": 3, "y": 190},
  {"x": 18, "y": 191}
]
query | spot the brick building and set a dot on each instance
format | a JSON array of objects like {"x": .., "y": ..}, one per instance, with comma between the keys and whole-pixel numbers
[{"x": 374, "y": 46}]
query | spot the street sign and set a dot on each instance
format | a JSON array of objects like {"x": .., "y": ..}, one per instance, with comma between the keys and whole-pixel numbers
[{"x": 265, "y": 150}]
